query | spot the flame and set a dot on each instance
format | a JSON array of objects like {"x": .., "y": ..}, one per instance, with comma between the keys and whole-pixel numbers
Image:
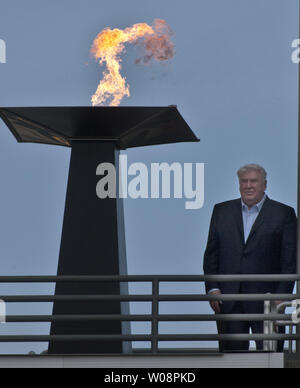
[{"x": 154, "y": 43}]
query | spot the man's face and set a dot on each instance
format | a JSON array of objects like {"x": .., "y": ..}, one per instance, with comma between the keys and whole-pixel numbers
[{"x": 252, "y": 187}]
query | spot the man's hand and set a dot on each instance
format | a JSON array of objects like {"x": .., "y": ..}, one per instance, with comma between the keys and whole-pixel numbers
[{"x": 215, "y": 305}]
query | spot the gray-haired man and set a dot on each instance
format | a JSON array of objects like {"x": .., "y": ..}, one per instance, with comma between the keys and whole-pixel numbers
[{"x": 250, "y": 235}]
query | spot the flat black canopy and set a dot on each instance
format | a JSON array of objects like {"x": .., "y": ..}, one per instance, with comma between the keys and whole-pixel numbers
[{"x": 126, "y": 126}]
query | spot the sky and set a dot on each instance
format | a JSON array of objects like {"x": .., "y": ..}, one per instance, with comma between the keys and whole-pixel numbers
[{"x": 234, "y": 83}]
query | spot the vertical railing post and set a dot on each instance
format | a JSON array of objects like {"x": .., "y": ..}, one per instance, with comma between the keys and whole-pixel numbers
[
  {"x": 298, "y": 191},
  {"x": 267, "y": 327},
  {"x": 274, "y": 327},
  {"x": 155, "y": 312},
  {"x": 291, "y": 330}
]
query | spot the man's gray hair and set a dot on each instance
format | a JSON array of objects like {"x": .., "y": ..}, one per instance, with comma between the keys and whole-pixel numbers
[{"x": 251, "y": 167}]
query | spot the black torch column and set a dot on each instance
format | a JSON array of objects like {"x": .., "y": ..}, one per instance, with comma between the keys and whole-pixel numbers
[{"x": 93, "y": 234}]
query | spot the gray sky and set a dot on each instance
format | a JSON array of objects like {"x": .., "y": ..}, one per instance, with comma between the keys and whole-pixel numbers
[{"x": 234, "y": 83}]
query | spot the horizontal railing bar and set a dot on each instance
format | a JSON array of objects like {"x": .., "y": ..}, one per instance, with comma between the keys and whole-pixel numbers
[
  {"x": 226, "y": 317},
  {"x": 72, "y": 298},
  {"x": 150, "y": 278},
  {"x": 73, "y": 337},
  {"x": 160, "y": 337},
  {"x": 286, "y": 323},
  {"x": 74, "y": 318},
  {"x": 251, "y": 278},
  {"x": 148, "y": 298},
  {"x": 162, "y": 318},
  {"x": 91, "y": 278},
  {"x": 227, "y": 337},
  {"x": 227, "y": 297}
]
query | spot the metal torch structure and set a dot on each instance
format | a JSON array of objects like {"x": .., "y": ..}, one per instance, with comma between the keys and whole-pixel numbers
[{"x": 93, "y": 236}]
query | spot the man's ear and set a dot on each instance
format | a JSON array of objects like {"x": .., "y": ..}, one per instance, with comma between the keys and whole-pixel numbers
[{"x": 266, "y": 184}]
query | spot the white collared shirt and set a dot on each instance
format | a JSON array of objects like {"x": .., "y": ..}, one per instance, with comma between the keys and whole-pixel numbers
[{"x": 250, "y": 215}]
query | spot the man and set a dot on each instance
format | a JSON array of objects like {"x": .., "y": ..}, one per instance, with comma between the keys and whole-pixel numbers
[{"x": 250, "y": 235}]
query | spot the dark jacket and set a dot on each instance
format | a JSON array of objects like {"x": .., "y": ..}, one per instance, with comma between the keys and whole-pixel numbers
[{"x": 270, "y": 249}]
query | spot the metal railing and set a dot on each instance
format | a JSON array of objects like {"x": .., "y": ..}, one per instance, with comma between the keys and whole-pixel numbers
[
  {"x": 271, "y": 327},
  {"x": 270, "y": 318}
]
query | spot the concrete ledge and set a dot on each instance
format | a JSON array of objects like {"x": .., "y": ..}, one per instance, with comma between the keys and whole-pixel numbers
[{"x": 244, "y": 360}]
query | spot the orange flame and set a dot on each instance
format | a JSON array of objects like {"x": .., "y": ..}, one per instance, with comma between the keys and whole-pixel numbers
[{"x": 154, "y": 43}]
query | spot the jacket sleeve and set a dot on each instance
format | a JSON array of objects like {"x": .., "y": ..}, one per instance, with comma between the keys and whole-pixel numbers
[
  {"x": 211, "y": 255},
  {"x": 288, "y": 251}
]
